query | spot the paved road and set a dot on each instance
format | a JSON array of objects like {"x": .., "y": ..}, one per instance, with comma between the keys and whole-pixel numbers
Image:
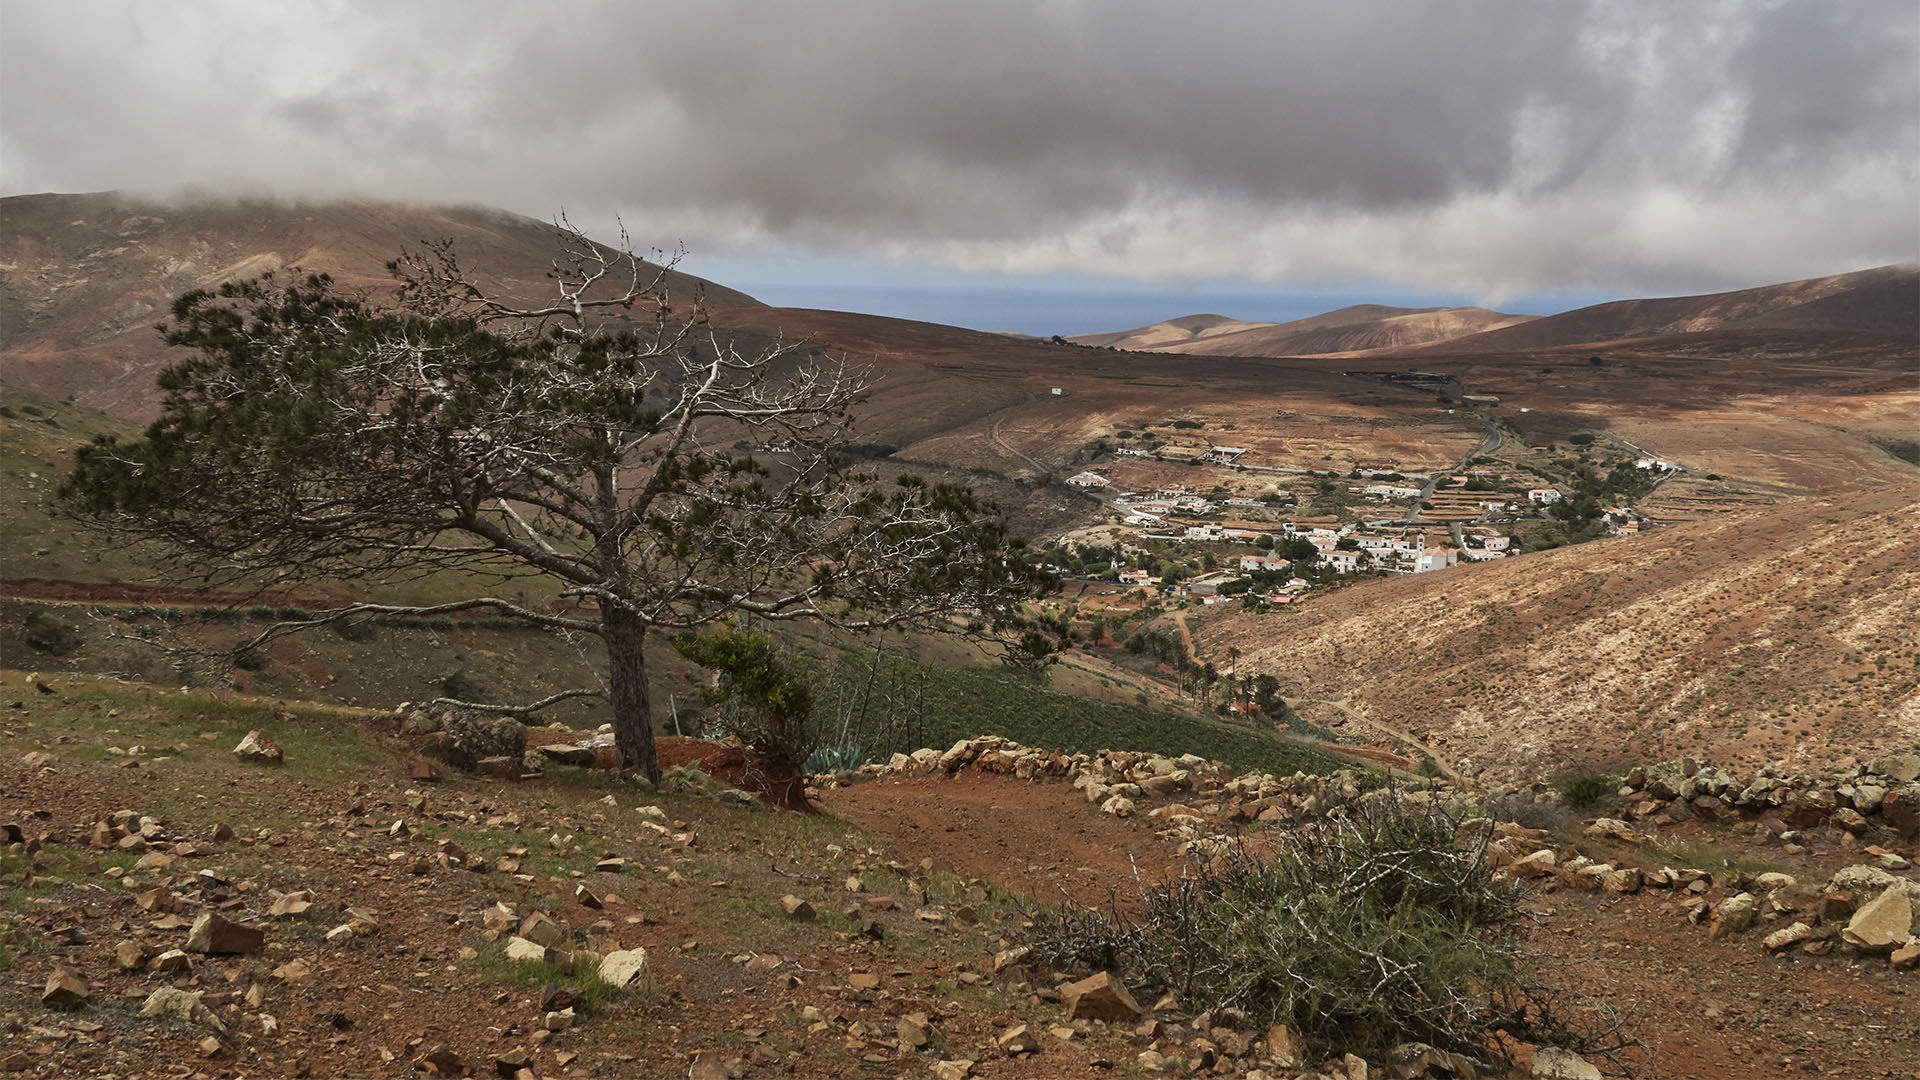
[{"x": 1487, "y": 446}]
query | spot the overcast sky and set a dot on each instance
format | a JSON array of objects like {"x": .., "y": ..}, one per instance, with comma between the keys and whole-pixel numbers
[{"x": 1521, "y": 152}]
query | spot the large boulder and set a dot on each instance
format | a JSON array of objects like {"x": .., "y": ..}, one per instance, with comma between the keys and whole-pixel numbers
[
  {"x": 1884, "y": 923},
  {"x": 1901, "y": 767}
]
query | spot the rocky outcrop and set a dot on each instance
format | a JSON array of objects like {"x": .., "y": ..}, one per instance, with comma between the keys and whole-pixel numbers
[
  {"x": 1881, "y": 794},
  {"x": 467, "y": 739}
]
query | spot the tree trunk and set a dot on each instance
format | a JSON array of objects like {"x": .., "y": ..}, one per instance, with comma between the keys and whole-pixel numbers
[{"x": 626, "y": 636}]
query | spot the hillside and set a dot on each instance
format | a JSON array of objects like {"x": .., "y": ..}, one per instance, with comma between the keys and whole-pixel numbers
[
  {"x": 358, "y": 910},
  {"x": 84, "y": 278},
  {"x": 1770, "y": 635},
  {"x": 1883, "y": 301},
  {"x": 1184, "y": 330},
  {"x": 1361, "y": 326}
]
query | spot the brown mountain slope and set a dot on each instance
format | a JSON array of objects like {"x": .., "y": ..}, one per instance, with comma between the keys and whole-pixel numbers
[
  {"x": 1879, "y": 301},
  {"x": 84, "y": 278},
  {"x": 1776, "y": 635},
  {"x": 1187, "y": 328},
  {"x": 1361, "y": 326}
]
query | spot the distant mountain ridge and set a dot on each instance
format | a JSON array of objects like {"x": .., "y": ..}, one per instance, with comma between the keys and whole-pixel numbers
[
  {"x": 84, "y": 278},
  {"x": 1361, "y": 326},
  {"x": 1882, "y": 300}
]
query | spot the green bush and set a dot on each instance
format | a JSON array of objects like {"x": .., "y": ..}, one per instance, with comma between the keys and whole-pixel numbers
[
  {"x": 764, "y": 694},
  {"x": 1361, "y": 932},
  {"x": 1583, "y": 789},
  {"x": 50, "y": 636}
]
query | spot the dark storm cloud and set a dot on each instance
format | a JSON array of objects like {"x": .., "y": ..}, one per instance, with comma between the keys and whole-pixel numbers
[{"x": 1494, "y": 147}]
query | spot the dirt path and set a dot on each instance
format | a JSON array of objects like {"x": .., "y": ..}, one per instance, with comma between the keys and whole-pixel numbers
[
  {"x": 993, "y": 436},
  {"x": 1186, "y": 635},
  {"x": 1397, "y": 733},
  {"x": 1040, "y": 839}
]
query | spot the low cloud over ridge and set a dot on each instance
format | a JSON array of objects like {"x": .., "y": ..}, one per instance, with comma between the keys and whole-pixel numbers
[{"x": 1490, "y": 148}]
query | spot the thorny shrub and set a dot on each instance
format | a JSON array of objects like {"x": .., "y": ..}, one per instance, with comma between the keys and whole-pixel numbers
[{"x": 1380, "y": 927}]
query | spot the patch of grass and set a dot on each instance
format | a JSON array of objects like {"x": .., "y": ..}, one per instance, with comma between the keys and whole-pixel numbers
[
  {"x": 1694, "y": 855},
  {"x": 323, "y": 745},
  {"x": 595, "y": 996}
]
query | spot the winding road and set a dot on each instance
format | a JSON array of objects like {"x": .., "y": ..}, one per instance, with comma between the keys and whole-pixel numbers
[{"x": 1487, "y": 446}]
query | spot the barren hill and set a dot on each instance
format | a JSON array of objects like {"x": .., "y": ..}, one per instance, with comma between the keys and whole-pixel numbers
[
  {"x": 84, "y": 278},
  {"x": 1361, "y": 326},
  {"x": 1773, "y": 635},
  {"x": 1162, "y": 335},
  {"x": 1882, "y": 301}
]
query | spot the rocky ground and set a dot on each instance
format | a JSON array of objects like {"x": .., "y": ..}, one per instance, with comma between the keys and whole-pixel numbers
[{"x": 168, "y": 908}]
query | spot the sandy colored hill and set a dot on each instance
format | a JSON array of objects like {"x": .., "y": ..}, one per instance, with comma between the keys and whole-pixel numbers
[
  {"x": 84, "y": 278},
  {"x": 1162, "y": 335},
  {"x": 1782, "y": 634},
  {"x": 1362, "y": 326},
  {"x": 1884, "y": 301}
]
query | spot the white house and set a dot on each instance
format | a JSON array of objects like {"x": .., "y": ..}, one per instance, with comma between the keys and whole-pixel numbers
[
  {"x": 1264, "y": 562},
  {"x": 1210, "y": 584},
  {"x": 1390, "y": 491},
  {"x": 1544, "y": 496},
  {"x": 1088, "y": 480},
  {"x": 1437, "y": 559},
  {"x": 1340, "y": 562},
  {"x": 1205, "y": 532},
  {"x": 1135, "y": 577}
]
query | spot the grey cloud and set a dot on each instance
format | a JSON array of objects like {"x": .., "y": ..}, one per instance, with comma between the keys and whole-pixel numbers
[{"x": 1131, "y": 139}]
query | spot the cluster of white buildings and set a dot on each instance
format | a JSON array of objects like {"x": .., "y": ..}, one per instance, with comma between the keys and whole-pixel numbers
[{"x": 1404, "y": 552}]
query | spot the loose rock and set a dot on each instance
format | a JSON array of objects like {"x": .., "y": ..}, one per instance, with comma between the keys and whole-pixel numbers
[
  {"x": 65, "y": 990},
  {"x": 1099, "y": 997},
  {"x": 1553, "y": 1063},
  {"x": 627, "y": 969},
  {"x": 256, "y": 747},
  {"x": 213, "y": 934}
]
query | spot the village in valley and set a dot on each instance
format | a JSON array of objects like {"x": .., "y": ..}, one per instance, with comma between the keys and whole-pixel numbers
[{"x": 1213, "y": 523}]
